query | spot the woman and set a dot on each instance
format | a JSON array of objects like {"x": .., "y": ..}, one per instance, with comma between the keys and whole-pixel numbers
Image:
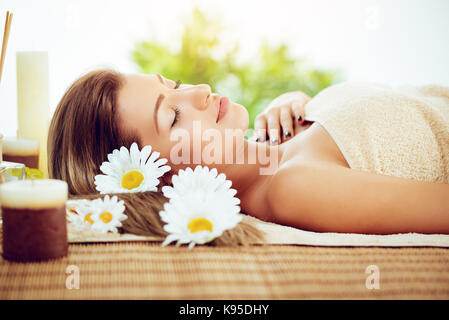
[{"x": 311, "y": 184}]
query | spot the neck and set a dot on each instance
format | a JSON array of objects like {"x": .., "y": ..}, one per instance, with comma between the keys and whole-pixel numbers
[
  {"x": 251, "y": 164},
  {"x": 254, "y": 163}
]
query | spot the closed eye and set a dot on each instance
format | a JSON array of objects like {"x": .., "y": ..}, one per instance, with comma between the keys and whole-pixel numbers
[
  {"x": 176, "y": 109},
  {"x": 177, "y": 112}
]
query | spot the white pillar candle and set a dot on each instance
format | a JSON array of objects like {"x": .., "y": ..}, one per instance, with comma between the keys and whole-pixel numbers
[
  {"x": 34, "y": 219},
  {"x": 33, "y": 100}
]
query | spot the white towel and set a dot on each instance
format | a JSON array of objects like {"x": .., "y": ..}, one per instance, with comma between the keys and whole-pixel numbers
[
  {"x": 283, "y": 235},
  {"x": 402, "y": 132},
  {"x": 278, "y": 234}
]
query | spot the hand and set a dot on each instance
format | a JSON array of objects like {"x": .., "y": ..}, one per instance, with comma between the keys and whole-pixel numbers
[{"x": 283, "y": 116}]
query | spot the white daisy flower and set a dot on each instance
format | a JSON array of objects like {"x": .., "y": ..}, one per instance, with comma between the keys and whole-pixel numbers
[
  {"x": 79, "y": 213},
  {"x": 101, "y": 215},
  {"x": 108, "y": 214},
  {"x": 131, "y": 171},
  {"x": 201, "y": 206}
]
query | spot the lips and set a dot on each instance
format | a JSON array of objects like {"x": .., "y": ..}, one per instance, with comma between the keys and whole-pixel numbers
[{"x": 223, "y": 106}]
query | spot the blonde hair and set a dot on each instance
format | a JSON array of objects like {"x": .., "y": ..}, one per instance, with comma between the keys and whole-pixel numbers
[{"x": 84, "y": 129}]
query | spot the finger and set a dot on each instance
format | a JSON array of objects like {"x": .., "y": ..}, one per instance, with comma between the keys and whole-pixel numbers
[
  {"x": 286, "y": 123},
  {"x": 298, "y": 112},
  {"x": 260, "y": 128},
  {"x": 273, "y": 127}
]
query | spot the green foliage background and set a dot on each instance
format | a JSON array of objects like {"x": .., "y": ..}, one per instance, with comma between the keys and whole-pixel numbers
[{"x": 252, "y": 84}]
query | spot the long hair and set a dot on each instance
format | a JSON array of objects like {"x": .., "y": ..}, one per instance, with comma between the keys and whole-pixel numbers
[{"x": 84, "y": 129}]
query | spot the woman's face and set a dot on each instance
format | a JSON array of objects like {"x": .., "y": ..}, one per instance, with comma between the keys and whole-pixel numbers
[{"x": 155, "y": 107}]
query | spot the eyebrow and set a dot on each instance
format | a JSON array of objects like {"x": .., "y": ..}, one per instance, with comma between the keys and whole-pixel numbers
[{"x": 156, "y": 109}]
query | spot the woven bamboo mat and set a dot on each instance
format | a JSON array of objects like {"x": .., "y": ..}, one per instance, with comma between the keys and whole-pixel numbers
[{"x": 144, "y": 270}]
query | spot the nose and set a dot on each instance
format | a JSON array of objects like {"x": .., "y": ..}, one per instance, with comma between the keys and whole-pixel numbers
[
  {"x": 204, "y": 92},
  {"x": 198, "y": 95}
]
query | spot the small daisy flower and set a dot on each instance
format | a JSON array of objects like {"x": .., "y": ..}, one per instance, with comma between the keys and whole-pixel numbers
[
  {"x": 108, "y": 214},
  {"x": 201, "y": 207},
  {"x": 101, "y": 215},
  {"x": 79, "y": 213},
  {"x": 131, "y": 170}
]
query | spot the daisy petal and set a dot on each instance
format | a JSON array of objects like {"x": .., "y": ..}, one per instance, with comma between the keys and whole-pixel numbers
[
  {"x": 144, "y": 154},
  {"x": 124, "y": 155},
  {"x": 134, "y": 154},
  {"x": 169, "y": 239},
  {"x": 153, "y": 157}
]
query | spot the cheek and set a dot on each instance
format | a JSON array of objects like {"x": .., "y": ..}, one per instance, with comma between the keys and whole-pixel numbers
[
  {"x": 177, "y": 146},
  {"x": 140, "y": 126},
  {"x": 191, "y": 134}
]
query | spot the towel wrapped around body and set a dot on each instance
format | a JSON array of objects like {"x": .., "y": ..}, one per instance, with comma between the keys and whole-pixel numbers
[{"x": 402, "y": 132}]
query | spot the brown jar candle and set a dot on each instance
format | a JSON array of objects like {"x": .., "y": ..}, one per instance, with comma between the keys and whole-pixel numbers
[
  {"x": 1, "y": 147},
  {"x": 21, "y": 150},
  {"x": 34, "y": 219}
]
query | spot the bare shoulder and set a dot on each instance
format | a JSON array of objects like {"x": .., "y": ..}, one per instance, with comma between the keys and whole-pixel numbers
[
  {"x": 295, "y": 190},
  {"x": 287, "y": 186},
  {"x": 298, "y": 188}
]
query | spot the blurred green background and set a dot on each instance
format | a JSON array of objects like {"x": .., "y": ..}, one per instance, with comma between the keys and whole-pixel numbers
[{"x": 252, "y": 84}]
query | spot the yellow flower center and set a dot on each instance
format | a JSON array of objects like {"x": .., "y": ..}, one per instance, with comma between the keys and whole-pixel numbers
[
  {"x": 88, "y": 218},
  {"x": 132, "y": 179},
  {"x": 200, "y": 224},
  {"x": 106, "y": 217}
]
